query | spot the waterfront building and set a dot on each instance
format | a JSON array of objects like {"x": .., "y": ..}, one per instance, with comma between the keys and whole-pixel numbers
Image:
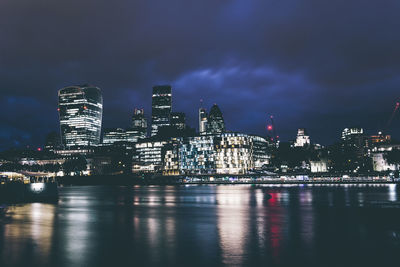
[
  {"x": 380, "y": 163},
  {"x": 227, "y": 153},
  {"x": 215, "y": 123},
  {"x": 259, "y": 151},
  {"x": 319, "y": 166},
  {"x": 161, "y": 108},
  {"x": 197, "y": 155},
  {"x": 379, "y": 157},
  {"x": 233, "y": 154},
  {"x": 203, "y": 117},
  {"x": 80, "y": 111},
  {"x": 178, "y": 120},
  {"x": 148, "y": 155},
  {"x": 138, "y": 128},
  {"x": 302, "y": 139},
  {"x": 170, "y": 155}
]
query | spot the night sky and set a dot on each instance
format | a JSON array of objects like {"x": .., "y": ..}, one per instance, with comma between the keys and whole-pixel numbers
[{"x": 319, "y": 64}]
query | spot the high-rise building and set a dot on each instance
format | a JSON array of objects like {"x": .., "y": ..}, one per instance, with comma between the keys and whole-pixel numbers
[
  {"x": 178, "y": 120},
  {"x": 215, "y": 122},
  {"x": 52, "y": 141},
  {"x": 139, "y": 125},
  {"x": 302, "y": 138},
  {"x": 350, "y": 133},
  {"x": 80, "y": 110},
  {"x": 161, "y": 108},
  {"x": 202, "y": 121},
  {"x": 114, "y": 135}
]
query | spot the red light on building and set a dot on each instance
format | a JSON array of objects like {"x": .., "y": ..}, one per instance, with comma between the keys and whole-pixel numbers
[
  {"x": 84, "y": 107},
  {"x": 39, "y": 149},
  {"x": 58, "y": 109},
  {"x": 269, "y": 127}
]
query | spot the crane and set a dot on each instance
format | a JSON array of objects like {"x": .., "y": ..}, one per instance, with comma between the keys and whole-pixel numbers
[
  {"x": 395, "y": 110},
  {"x": 271, "y": 129}
]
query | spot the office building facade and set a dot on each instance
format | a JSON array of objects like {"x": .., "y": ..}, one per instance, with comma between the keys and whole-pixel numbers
[
  {"x": 203, "y": 118},
  {"x": 161, "y": 106},
  {"x": 215, "y": 123},
  {"x": 80, "y": 111},
  {"x": 138, "y": 128}
]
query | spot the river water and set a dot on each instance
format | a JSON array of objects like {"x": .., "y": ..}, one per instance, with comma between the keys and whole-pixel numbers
[{"x": 207, "y": 225}]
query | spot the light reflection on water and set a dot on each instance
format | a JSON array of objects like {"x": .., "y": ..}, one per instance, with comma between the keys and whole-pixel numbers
[{"x": 238, "y": 225}]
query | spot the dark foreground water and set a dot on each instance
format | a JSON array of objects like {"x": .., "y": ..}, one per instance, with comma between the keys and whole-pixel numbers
[{"x": 352, "y": 225}]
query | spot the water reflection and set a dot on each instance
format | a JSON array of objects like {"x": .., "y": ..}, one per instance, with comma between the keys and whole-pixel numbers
[{"x": 236, "y": 225}]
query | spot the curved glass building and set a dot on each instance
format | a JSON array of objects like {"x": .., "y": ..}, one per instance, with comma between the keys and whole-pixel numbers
[
  {"x": 80, "y": 110},
  {"x": 215, "y": 122}
]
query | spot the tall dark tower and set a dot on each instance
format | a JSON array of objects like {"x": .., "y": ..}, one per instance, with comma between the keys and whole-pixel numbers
[
  {"x": 178, "y": 120},
  {"x": 80, "y": 109},
  {"x": 138, "y": 129},
  {"x": 215, "y": 122},
  {"x": 160, "y": 108}
]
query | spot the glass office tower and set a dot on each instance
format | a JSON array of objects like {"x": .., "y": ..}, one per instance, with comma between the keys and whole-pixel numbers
[
  {"x": 138, "y": 129},
  {"x": 161, "y": 108},
  {"x": 80, "y": 110},
  {"x": 203, "y": 117},
  {"x": 215, "y": 124}
]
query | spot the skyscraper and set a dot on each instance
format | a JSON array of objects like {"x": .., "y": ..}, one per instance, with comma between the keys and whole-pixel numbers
[
  {"x": 80, "y": 110},
  {"x": 139, "y": 124},
  {"x": 202, "y": 121},
  {"x": 161, "y": 108},
  {"x": 215, "y": 122},
  {"x": 178, "y": 120}
]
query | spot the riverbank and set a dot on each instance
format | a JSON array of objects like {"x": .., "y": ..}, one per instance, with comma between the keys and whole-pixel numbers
[{"x": 168, "y": 180}]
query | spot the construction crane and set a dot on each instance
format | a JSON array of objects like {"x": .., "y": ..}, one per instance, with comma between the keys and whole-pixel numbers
[
  {"x": 272, "y": 130},
  {"x": 395, "y": 110}
]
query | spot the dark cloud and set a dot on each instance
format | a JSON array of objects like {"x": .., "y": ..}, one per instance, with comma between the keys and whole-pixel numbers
[{"x": 324, "y": 65}]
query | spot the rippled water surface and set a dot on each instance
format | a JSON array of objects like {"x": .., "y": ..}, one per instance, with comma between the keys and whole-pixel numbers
[{"x": 348, "y": 225}]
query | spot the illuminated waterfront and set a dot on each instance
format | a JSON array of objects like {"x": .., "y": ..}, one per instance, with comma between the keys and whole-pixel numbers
[{"x": 207, "y": 225}]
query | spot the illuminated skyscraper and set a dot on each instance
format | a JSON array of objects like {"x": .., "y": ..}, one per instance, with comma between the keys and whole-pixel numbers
[
  {"x": 80, "y": 110},
  {"x": 202, "y": 121},
  {"x": 161, "y": 108},
  {"x": 139, "y": 124},
  {"x": 215, "y": 122}
]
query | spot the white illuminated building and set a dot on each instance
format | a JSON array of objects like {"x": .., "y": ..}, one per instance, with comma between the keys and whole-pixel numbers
[
  {"x": 80, "y": 110},
  {"x": 148, "y": 157},
  {"x": 302, "y": 138},
  {"x": 227, "y": 153}
]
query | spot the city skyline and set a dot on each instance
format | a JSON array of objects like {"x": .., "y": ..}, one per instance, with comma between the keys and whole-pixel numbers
[
  {"x": 299, "y": 63},
  {"x": 267, "y": 131}
]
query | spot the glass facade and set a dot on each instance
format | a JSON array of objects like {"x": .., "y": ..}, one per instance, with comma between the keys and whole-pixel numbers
[
  {"x": 161, "y": 108},
  {"x": 227, "y": 153},
  {"x": 80, "y": 110},
  {"x": 215, "y": 122},
  {"x": 197, "y": 155},
  {"x": 139, "y": 126},
  {"x": 148, "y": 156},
  {"x": 115, "y": 135},
  {"x": 203, "y": 121}
]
